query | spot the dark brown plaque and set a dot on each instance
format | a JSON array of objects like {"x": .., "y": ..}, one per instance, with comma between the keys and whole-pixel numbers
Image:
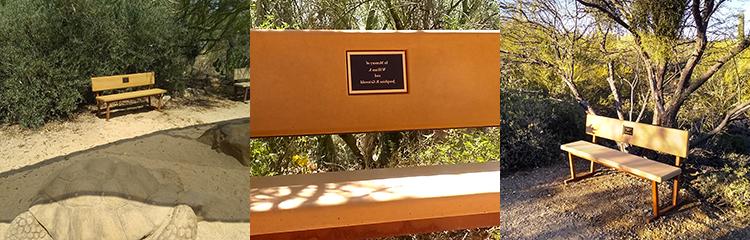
[{"x": 371, "y": 72}]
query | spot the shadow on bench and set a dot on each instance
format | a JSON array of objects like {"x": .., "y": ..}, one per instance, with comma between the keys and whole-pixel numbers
[{"x": 375, "y": 203}]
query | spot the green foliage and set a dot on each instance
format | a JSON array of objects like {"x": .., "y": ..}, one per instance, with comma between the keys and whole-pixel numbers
[
  {"x": 51, "y": 49},
  {"x": 728, "y": 185},
  {"x": 459, "y": 146},
  {"x": 280, "y": 156},
  {"x": 219, "y": 28},
  {"x": 533, "y": 127},
  {"x": 662, "y": 18},
  {"x": 374, "y": 15}
]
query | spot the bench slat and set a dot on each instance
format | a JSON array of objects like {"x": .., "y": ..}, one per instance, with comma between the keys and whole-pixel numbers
[
  {"x": 649, "y": 169},
  {"x": 118, "y": 81},
  {"x": 356, "y": 198},
  {"x": 130, "y": 95},
  {"x": 662, "y": 139}
]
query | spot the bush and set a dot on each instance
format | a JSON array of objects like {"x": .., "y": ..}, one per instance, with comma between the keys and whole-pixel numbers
[
  {"x": 458, "y": 146},
  {"x": 726, "y": 186},
  {"x": 51, "y": 49},
  {"x": 533, "y": 127},
  {"x": 282, "y": 155}
]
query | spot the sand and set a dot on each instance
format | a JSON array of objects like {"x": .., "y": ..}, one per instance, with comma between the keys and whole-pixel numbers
[
  {"x": 22, "y": 147},
  {"x": 215, "y": 184}
]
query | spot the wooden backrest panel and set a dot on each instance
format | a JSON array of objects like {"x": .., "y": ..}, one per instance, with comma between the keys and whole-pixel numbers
[
  {"x": 609, "y": 128},
  {"x": 300, "y": 82},
  {"x": 241, "y": 74},
  {"x": 662, "y": 139},
  {"x": 122, "y": 81}
]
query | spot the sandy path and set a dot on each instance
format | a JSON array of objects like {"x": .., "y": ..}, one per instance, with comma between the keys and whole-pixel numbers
[
  {"x": 612, "y": 205},
  {"x": 215, "y": 185},
  {"x": 22, "y": 147}
]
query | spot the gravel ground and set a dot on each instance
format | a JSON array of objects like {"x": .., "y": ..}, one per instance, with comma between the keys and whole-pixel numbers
[{"x": 536, "y": 204}]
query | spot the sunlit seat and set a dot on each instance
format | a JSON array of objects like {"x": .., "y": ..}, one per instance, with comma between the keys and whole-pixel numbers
[{"x": 376, "y": 202}]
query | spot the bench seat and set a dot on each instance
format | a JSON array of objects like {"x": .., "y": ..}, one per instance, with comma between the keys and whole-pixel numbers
[
  {"x": 358, "y": 201},
  {"x": 130, "y": 95},
  {"x": 242, "y": 84},
  {"x": 649, "y": 169}
]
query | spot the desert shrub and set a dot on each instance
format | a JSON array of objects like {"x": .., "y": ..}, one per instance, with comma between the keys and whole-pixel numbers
[
  {"x": 282, "y": 155},
  {"x": 51, "y": 49},
  {"x": 728, "y": 185},
  {"x": 532, "y": 128},
  {"x": 457, "y": 146}
]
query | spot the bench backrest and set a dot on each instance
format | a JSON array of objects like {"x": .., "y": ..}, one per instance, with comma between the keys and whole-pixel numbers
[
  {"x": 241, "y": 74},
  {"x": 662, "y": 139},
  {"x": 122, "y": 81}
]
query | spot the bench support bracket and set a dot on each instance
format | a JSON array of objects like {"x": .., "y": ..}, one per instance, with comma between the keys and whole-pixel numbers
[
  {"x": 573, "y": 176},
  {"x": 655, "y": 197}
]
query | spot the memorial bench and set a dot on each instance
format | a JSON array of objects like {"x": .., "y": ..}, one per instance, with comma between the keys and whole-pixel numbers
[
  {"x": 660, "y": 139},
  {"x": 242, "y": 81},
  {"x": 130, "y": 86},
  {"x": 375, "y": 203}
]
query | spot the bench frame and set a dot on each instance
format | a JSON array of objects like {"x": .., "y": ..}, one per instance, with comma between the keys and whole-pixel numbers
[
  {"x": 657, "y": 212},
  {"x": 109, "y": 83}
]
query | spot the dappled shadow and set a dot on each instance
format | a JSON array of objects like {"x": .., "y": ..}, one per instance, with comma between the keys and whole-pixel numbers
[
  {"x": 199, "y": 102},
  {"x": 742, "y": 233},
  {"x": 340, "y": 198},
  {"x": 609, "y": 204},
  {"x": 126, "y": 108}
]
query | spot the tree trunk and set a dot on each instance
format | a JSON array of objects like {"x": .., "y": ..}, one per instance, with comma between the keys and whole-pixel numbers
[
  {"x": 326, "y": 149},
  {"x": 613, "y": 88},
  {"x": 351, "y": 142},
  {"x": 389, "y": 144}
]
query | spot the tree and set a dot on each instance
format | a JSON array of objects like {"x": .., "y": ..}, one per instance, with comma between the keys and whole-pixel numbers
[{"x": 659, "y": 31}]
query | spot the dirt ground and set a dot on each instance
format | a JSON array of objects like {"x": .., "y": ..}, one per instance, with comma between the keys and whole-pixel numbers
[
  {"x": 611, "y": 205},
  {"x": 214, "y": 184},
  {"x": 22, "y": 147}
]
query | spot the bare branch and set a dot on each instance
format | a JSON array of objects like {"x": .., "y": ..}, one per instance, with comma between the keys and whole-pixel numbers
[{"x": 731, "y": 115}]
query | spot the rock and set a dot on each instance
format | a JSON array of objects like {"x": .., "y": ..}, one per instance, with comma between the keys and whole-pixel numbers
[
  {"x": 231, "y": 139},
  {"x": 103, "y": 199}
]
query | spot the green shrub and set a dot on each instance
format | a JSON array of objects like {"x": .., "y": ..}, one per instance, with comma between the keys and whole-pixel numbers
[
  {"x": 51, "y": 49},
  {"x": 459, "y": 146},
  {"x": 533, "y": 127},
  {"x": 728, "y": 185},
  {"x": 282, "y": 155}
]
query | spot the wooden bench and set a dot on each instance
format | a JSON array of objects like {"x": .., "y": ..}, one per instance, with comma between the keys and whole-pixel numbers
[
  {"x": 660, "y": 139},
  {"x": 375, "y": 203},
  {"x": 242, "y": 81},
  {"x": 131, "y": 86}
]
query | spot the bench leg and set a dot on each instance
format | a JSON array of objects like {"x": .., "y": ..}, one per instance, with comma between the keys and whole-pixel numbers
[
  {"x": 573, "y": 177},
  {"x": 655, "y": 198},
  {"x": 655, "y": 195},
  {"x": 108, "y": 111},
  {"x": 247, "y": 92},
  {"x": 149, "y": 101},
  {"x": 676, "y": 192},
  {"x": 160, "y": 98},
  {"x": 572, "y": 167},
  {"x": 98, "y": 108}
]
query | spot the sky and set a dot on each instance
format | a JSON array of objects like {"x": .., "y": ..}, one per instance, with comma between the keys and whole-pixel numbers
[{"x": 740, "y": 5}]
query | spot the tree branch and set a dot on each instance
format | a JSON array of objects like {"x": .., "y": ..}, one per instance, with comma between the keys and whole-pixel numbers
[
  {"x": 730, "y": 116},
  {"x": 611, "y": 14}
]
